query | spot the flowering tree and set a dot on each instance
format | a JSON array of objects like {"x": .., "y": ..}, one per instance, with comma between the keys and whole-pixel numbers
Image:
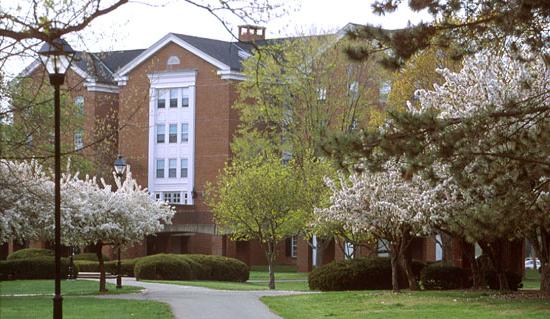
[
  {"x": 490, "y": 123},
  {"x": 387, "y": 207},
  {"x": 25, "y": 187}
]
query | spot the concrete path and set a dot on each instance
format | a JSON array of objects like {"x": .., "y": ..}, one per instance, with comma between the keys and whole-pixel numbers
[{"x": 204, "y": 303}]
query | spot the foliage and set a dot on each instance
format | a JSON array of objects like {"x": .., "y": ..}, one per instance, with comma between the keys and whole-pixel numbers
[
  {"x": 89, "y": 256},
  {"x": 299, "y": 90},
  {"x": 385, "y": 206},
  {"x": 439, "y": 276},
  {"x": 260, "y": 199},
  {"x": 357, "y": 274},
  {"x": 514, "y": 280},
  {"x": 127, "y": 266},
  {"x": 190, "y": 267},
  {"x": 32, "y": 268},
  {"x": 30, "y": 253},
  {"x": 460, "y": 27},
  {"x": 88, "y": 266}
]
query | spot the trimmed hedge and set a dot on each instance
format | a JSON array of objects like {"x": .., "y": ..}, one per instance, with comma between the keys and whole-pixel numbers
[
  {"x": 30, "y": 253},
  {"x": 89, "y": 257},
  {"x": 126, "y": 266},
  {"x": 357, "y": 274},
  {"x": 190, "y": 267},
  {"x": 33, "y": 268},
  {"x": 87, "y": 265},
  {"x": 440, "y": 276}
]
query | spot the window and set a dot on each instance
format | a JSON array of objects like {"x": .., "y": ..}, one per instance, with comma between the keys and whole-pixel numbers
[
  {"x": 354, "y": 89},
  {"x": 183, "y": 168},
  {"x": 184, "y": 98},
  {"x": 161, "y": 131},
  {"x": 173, "y": 133},
  {"x": 322, "y": 94},
  {"x": 184, "y": 132},
  {"x": 174, "y": 97},
  {"x": 172, "y": 197},
  {"x": 383, "y": 248},
  {"x": 349, "y": 250},
  {"x": 185, "y": 198},
  {"x": 172, "y": 168},
  {"x": 78, "y": 140},
  {"x": 161, "y": 98},
  {"x": 160, "y": 168},
  {"x": 79, "y": 103},
  {"x": 157, "y": 196},
  {"x": 384, "y": 91},
  {"x": 293, "y": 246}
]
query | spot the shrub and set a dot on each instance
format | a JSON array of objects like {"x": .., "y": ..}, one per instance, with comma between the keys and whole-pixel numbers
[
  {"x": 30, "y": 253},
  {"x": 89, "y": 257},
  {"x": 87, "y": 265},
  {"x": 33, "y": 268},
  {"x": 126, "y": 266},
  {"x": 190, "y": 267},
  {"x": 442, "y": 277},
  {"x": 357, "y": 274}
]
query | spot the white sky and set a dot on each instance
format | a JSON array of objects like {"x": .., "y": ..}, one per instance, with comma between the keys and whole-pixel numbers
[{"x": 137, "y": 25}]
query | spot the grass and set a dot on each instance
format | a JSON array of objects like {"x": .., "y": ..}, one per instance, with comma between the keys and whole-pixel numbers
[
  {"x": 426, "y": 305},
  {"x": 263, "y": 275},
  {"x": 532, "y": 279},
  {"x": 83, "y": 307},
  {"x": 68, "y": 287},
  {"x": 277, "y": 268},
  {"x": 228, "y": 285}
]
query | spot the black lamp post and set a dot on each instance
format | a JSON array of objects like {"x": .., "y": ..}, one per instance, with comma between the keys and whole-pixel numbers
[
  {"x": 120, "y": 167},
  {"x": 57, "y": 56}
]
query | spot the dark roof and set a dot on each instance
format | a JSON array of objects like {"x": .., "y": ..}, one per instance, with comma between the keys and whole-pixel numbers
[
  {"x": 115, "y": 60},
  {"x": 223, "y": 51}
]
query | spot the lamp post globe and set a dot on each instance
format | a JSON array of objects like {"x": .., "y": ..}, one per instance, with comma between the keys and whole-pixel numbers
[
  {"x": 119, "y": 166},
  {"x": 56, "y": 56}
]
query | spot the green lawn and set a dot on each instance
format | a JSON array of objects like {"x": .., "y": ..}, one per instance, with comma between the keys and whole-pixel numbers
[
  {"x": 83, "y": 307},
  {"x": 68, "y": 287},
  {"x": 263, "y": 275},
  {"x": 227, "y": 285},
  {"x": 426, "y": 305},
  {"x": 532, "y": 279}
]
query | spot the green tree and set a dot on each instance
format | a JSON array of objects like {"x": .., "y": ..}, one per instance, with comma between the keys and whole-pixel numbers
[{"x": 259, "y": 200}]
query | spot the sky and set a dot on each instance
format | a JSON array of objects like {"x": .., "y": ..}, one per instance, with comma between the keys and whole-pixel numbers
[{"x": 141, "y": 23}]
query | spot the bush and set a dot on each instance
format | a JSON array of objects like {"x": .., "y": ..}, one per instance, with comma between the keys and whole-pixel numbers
[
  {"x": 190, "y": 267},
  {"x": 33, "y": 268},
  {"x": 89, "y": 257},
  {"x": 357, "y": 274},
  {"x": 126, "y": 266},
  {"x": 87, "y": 266},
  {"x": 440, "y": 276},
  {"x": 30, "y": 253}
]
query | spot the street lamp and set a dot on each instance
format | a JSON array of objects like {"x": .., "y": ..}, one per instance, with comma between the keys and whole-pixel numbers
[
  {"x": 57, "y": 55},
  {"x": 120, "y": 167}
]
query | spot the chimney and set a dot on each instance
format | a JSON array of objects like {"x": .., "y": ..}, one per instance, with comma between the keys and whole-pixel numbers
[{"x": 251, "y": 33}]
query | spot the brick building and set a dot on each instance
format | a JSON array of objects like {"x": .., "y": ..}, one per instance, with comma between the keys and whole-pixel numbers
[{"x": 170, "y": 108}]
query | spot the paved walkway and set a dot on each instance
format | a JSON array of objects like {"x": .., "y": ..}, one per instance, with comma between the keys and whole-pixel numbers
[{"x": 203, "y": 303}]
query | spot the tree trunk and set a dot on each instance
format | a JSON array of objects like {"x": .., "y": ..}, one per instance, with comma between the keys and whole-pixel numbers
[
  {"x": 102, "y": 281},
  {"x": 540, "y": 239},
  {"x": 406, "y": 261},
  {"x": 470, "y": 256},
  {"x": 270, "y": 254},
  {"x": 394, "y": 258},
  {"x": 494, "y": 251}
]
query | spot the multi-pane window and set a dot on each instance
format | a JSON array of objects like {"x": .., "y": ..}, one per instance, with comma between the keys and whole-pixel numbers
[
  {"x": 157, "y": 196},
  {"x": 78, "y": 140},
  {"x": 174, "y": 97},
  {"x": 184, "y": 98},
  {"x": 162, "y": 95},
  {"x": 185, "y": 197},
  {"x": 161, "y": 132},
  {"x": 173, "y": 133},
  {"x": 293, "y": 246},
  {"x": 160, "y": 168},
  {"x": 172, "y": 168},
  {"x": 382, "y": 248},
  {"x": 172, "y": 197},
  {"x": 322, "y": 94},
  {"x": 79, "y": 103},
  {"x": 184, "y": 168},
  {"x": 184, "y": 132}
]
